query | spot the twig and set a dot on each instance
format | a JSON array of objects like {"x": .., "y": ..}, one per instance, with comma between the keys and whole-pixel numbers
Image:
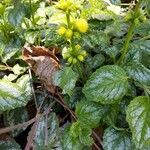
[
  {"x": 97, "y": 138},
  {"x": 25, "y": 124},
  {"x": 20, "y": 125},
  {"x": 96, "y": 146},
  {"x": 34, "y": 127},
  {"x": 73, "y": 115},
  {"x": 46, "y": 131},
  {"x": 32, "y": 134},
  {"x": 33, "y": 92},
  {"x": 65, "y": 106}
]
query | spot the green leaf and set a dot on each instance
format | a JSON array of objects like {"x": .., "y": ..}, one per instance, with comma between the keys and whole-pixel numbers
[
  {"x": 14, "y": 117},
  {"x": 2, "y": 9},
  {"x": 31, "y": 36},
  {"x": 139, "y": 73},
  {"x": 68, "y": 141},
  {"x": 10, "y": 77},
  {"x": 17, "y": 69},
  {"x": 112, "y": 51},
  {"x": 89, "y": 113},
  {"x": 66, "y": 79},
  {"x": 142, "y": 45},
  {"x": 81, "y": 133},
  {"x": 13, "y": 95},
  {"x": 52, "y": 130},
  {"x": 116, "y": 140},
  {"x": 138, "y": 114},
  {"x": 95, "y": 40},
  {"x": 115, "y": 2},
  {"x": 11, "y": 48},
  {"x": 9, "y": 145},
  {"x": 77, "y": 95},
  {"x": 107, "y": 85},
  {"x": 16, "y": 14},
  {"x": 143, "y": 29},
  {"x": 96, "y": 61},
  {"x": 111, "y": 115}
]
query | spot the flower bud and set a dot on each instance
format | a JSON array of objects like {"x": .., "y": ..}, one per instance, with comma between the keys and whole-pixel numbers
[
  {"x": 74, "y": 61},
  {"x": 78, "y": 47},
  {"x": 70, "y": 59},
  {"x": 83, "y": 53},
  {"x": 80, "y": 57}
]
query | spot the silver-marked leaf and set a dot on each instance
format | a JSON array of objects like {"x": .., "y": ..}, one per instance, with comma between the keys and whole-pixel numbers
[
  {"x": 138, "y": 114},
  {"x": 90, "y": 113},
  {"x": 142, "y": 46},
  {"x": 24, "y": 84},
  {"x": 66, "y": 79},
  {"x": 139, "y": 73},
  {"x": 53, "y": 140},
  {"x": 16, "y": 14},
  {"x": 14, "y": 117},
  {"x": 13, "y": 95},
  {"x": 116, "y": 140},
  {"x": 115, "y": 2},
  {"x": 9, "y": 144},
  {"x": 107, "y": 85}
]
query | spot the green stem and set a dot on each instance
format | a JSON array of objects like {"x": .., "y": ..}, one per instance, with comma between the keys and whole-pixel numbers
[
  {"x": 130, "y": 34},
  {"x": 79, "y": 69},
  {"x": 68, "y": 19},
  {"x": 145, "y": 38},
  {"x": 32, "y": 15}
]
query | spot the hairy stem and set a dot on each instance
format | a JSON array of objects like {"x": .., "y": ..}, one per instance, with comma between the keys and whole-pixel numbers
[{"x": 130, "y": 34}]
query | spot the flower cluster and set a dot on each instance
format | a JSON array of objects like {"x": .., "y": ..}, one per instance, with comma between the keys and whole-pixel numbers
[
  {"x": 74, "y": 54},
  {"x": 74, "y": 26}
]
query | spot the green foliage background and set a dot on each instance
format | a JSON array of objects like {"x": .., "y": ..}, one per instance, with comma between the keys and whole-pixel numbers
[{"x": 109, "y": 89}]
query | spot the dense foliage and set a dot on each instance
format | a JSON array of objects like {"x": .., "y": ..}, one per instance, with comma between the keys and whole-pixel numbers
[{"x": 99, "y": 74}]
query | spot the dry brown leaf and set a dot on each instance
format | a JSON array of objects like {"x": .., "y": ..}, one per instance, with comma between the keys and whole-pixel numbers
[{"x": 43, "y": 62}]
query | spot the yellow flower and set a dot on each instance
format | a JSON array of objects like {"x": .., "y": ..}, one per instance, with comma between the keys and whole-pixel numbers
[
  {"x": 63, "y": 5},
  {"x": 68, "y": 34},
  {"x": 81, "y": 25},
  {"x": 61, "y": 30}
]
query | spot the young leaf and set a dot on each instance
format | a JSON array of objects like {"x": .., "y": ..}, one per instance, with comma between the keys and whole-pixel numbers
[
  {"x": 89, "y": 113},
  {"x": 13, "y": 95},
  {"x": 66, "y": 79},
  {"x": 116, "y": 140},
  {"x": 81, "y": 133},
  {"x": 139, "y": 73},
  {"x": 69, "y": 143},
  {"x": 107, "y": 85},
  {"x": 138, "y": 115}
]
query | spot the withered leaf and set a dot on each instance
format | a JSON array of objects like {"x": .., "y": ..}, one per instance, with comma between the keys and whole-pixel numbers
[{"x": 43, "y": 62}]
